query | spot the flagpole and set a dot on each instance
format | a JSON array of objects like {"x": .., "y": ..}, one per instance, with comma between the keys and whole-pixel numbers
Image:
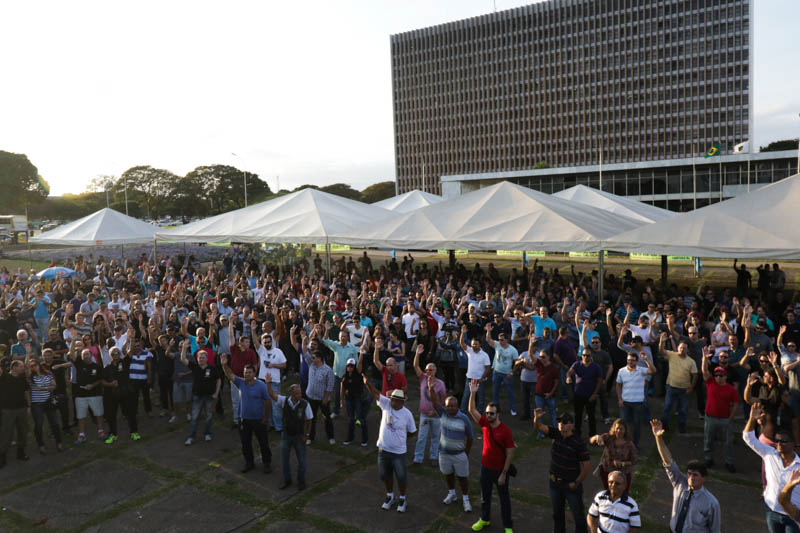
[
  {"x": 748, "y": 172},
  {"x": 694, "y": 177}
]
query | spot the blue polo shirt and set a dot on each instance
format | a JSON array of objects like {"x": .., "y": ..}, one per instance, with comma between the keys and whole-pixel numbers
[{"x": 253, "y": 397}]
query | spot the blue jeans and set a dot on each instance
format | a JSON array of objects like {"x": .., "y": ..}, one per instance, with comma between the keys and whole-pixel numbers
[
  {"x": 357, "y": 409},
  {"x": 276, "y": 417},
  {"x": 200, "y": 403},
  {"x": 549, "y": 404},
  {"x": 632, "y": 414},
  {"x": 337, "y": 400},
  {"x": 563, "y": 390},
  {"x": 489, "y": 479},
  {"x": 780, "y": 523},
  {"x": 478, "y": 401},
  {"x": 287, "y": 443},
  {"x": 560, "y": 495},
  {"x": 393, "y": 464},
  {"x": 43, "y": 325},
  {"x": 675, "y": 395},
  {"x": 432, "y": 426},
  {"x": 499, "y": 380}
]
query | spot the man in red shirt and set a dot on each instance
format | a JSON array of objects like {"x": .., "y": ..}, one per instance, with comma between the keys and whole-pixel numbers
[
  {"x": 498, "y": 452},
  {"x": 241, "y": 355},
  {"x": 721, "y": 402},
  {"x": 392, "y": 379}
]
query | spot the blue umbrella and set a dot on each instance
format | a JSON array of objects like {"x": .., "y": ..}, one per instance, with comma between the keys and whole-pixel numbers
[{"x": 52, "y": 272}]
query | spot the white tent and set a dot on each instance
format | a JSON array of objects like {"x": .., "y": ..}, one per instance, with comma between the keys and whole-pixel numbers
[
  {"x": 308, "y": 216},
  {"x": 409, "y": 201},
  {"x": 616, "y": 204},
  {"x": 501, "y": 217},
  {"x": 760, "y": 224},
  {"x": 104, "y": 227}
]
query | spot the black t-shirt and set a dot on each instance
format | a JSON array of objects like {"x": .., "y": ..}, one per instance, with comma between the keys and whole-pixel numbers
[
  {"x": 204, "y": 382},
  {"x": 57, "y": 345},
  {"x": 165, "y": 366},
  {"x": 60, "y": 376},
  {"x": 119, "y": 372},
  {"x": 353, "y": 385},
  {"x": 566, "y": 455},
  {"x": 88, "y": 373},
  {"x": 12, "y": 391}
]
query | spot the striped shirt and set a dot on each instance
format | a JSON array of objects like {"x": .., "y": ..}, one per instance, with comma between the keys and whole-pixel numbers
[
  {"x": 138, "y": 370},
  {"x": 320, "y": 381},
  {"x": 615, "y": 516},
  {"x": 38, "y": 385},
  {"x": 455, "y": 432},
  {"x": 632, "y": 384}
]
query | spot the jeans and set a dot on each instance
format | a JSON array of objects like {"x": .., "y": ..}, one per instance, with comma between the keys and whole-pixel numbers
[
  {"x": 39, "y": 412},
  {"x": 499, "y": 380},
  {"x": 780, "y": 523},
  {"x": 563, "y": 390},
  {"x": 138, "y": 386},
  {"x": 276, "y": 418},
  {"x": 561, "y": 494},
  {"x": 580, "y": 402},
  {"x": 392, "y": 465},
  {"x": 111, "y": 403},
  {"x": 287, "y": 443},
  {"x": 489, "y": 479},
  {"x": 337, "y": 391},
  {"x": 432, "y": 426},
  {"x": 326, "y": 412},
  {"x": 165, "y": 392},
  {"x": 357, "y": 409},
  {"x": 448, "y": 369},
  {"x": 675, "y": 395},
  {"x": 549, "y": 404},
  {"x": 246, "y": 430},
  {"x": 14, "y": 419},
  {"x": 632, "y": 414},
  {"x": 528, "y": 389},
  {"x": 603, "y": 396},
  {"x": 713, "y": 427},
  {"x": 478, "y": 401},
  {"x": 200, "y": 403},
  {"x": 43, "y": 325},
  {"x": 236, "y": 400}
]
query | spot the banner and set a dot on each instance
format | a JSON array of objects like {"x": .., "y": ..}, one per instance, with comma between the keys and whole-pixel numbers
[
  {"x": 587, "y": 254},
  {"x": 651, "y": 257},
  {"x": 518, "y": 253},
  {"x": 458, "y": 252},
  {"x": 334, "y": 247}
]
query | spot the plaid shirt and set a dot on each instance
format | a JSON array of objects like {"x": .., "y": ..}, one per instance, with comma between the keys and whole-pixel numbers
[{"x": 320, "y": 381}]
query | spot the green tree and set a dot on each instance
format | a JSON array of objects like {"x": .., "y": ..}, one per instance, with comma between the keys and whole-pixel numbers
[
  {"x": 342, "y": 189},
  {"x": 777, "y": 146},
  {"x": 541, "y": 164},
  {"x": 378, "y": 191},
  {"x": 21, "y": 183},
  {"x": 221, "y": 187},
  {"x": 155, "y": 188}
]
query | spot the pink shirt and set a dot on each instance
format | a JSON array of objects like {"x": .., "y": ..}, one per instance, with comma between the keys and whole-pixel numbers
[{"x": 425, "y": 404}]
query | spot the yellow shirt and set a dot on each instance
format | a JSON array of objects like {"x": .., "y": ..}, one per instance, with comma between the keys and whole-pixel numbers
[{"x": 680, "y": 370}]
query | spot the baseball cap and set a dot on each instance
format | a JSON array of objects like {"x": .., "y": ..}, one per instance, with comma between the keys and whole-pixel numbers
[
  {"x": 351, "y": 361},
  {"x": 720, "y": 372}
]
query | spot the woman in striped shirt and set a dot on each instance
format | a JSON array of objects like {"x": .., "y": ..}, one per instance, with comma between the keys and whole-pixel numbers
[{"x": 43, "y": 383}]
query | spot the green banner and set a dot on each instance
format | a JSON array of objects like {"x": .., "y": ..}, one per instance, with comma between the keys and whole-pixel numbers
[
  {"x": 458, "y": 252},
  {"x": 518, "y": 253},
  {"x": 334, "y": 247},
  {"x": 652, "y": 257},
  {"x": 587, "y": 254}
]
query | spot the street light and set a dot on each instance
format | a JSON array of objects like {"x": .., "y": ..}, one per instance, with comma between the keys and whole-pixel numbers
[{"x": 244, "y": 178}]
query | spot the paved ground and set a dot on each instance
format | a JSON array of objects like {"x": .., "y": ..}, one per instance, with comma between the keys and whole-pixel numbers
[{"x": 158, "y": 484}]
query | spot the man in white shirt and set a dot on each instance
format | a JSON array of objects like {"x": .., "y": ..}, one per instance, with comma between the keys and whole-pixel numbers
[
  {"x": 411, "y": 322},
  {"x": 357, "y": 331},
  {"x": 612, "y": 510},
  {"x": 397, "y": 423},
  {"x": 479, "y": 366},
  {"x": 271, "y": 361},
  {"x": 779, "y": 463}
]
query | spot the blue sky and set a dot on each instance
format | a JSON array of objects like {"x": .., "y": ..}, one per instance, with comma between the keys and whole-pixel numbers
[{"x": 300, "y": 91}]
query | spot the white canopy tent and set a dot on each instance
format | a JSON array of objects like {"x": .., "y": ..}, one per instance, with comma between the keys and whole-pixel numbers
[
  {"x": 759, "y": 224},
  {"x": 104, "y": 227},
  {"x": 615, "y": 204},
  {"x": 308, "y": 216},
  {"x": 409, "y": 201},
  {"x": 501, "y": 217}
]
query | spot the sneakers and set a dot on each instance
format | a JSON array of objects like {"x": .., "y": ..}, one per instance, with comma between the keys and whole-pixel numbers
[
  {"x": 364, "y": 444},
  {"x": 331, "y": 441},
  {"x": 207, "y": 438},
  {"x": 162, "y": 413},
  {"x": 345, "y": 443},
  {"x": 111, "y": 439},
  {"x": 480, "y": 524},
  {"x": 81, "y": 439},
  {"x": 508, "y": 530},
  {"x": 606, "y": 421},
  {"x": 101, "y": 434},
  {"x": 513, "y": 413},
  {"x": 450, "y": 498},
  {"x": 358, "y": 422},
  {"x": 334, "y": 416},
  {"x": 387, "y": 503},
  {"x": 188, "y": 417},
  {"x": 467, "y": 505},
  {"x": 188, "y": 442},
  {"x": 136, "y": 436},
  {"x": 308, "y": 442},
  {"x": 401, "y": 505},
  {"x": 172, "y": 419}
]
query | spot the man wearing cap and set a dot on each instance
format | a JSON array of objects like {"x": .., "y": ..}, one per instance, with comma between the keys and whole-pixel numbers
[
  {"x": 429, "y": 419},
  {"x": 342, "y": 350},
  {"x": 397, "y": 423},
  {"x": 569, "y": 466},
  {"x": 721, "y": 403},
  {"x": 496, "y": 459},
  {"x": 612, "y": 510}
]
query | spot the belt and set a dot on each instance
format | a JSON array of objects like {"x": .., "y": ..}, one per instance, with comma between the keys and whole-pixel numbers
[{"x": 556, "y": 479}]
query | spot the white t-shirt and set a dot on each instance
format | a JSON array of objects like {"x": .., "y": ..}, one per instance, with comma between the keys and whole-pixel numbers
[
  {"x": 395, "y": 426},
  {"x": 409, "y": 320},
  {"x": 477, "y": 363},
  {"x": 644, "y": 333},
  {"x": 275, "y": 357},
  {"x": 356, "y": 335}
]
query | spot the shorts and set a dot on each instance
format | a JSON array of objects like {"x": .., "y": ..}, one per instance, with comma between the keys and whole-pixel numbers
[
  {"x": 458, "y": 464},
  {"x": 181, "y": 392},
  {"x": 83, "y": 405},
  {"x": 392, "y": 464}
]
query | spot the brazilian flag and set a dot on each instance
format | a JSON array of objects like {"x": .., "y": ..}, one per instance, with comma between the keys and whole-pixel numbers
[{"x": 714, "y": 150}]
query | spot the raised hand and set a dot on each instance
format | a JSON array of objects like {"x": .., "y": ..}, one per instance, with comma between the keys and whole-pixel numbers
[{"x": 658, "y": 429}]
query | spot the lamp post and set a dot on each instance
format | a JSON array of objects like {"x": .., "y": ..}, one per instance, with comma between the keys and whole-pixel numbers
[{"x": 244, "y": 178}]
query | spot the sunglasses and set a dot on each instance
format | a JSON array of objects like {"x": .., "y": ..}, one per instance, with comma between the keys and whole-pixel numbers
[
  {"x": 782, "y": 441},
  {"x": 763, "y": 361}
]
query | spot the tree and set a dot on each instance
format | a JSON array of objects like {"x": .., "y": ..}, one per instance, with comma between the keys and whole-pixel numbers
[
  {"x": 342, "y": 189},
  {"x": 777, "y": 146},
  {"x": 221, "y": 187},
  {"x": 378, "y": 191},
  {"x": 21, "y": 183},
  {"x": 541, "y": 164},
  {"x": 155, "y": 187}
]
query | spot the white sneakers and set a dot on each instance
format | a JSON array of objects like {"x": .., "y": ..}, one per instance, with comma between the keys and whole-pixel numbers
[
  {"x": 467, "y": 506},
  {"x": 450, "y": 498},
  {"x": 401, "y": 505},
  {"x": 189, "y": 441},
  {"x": 387, "y": 504}
]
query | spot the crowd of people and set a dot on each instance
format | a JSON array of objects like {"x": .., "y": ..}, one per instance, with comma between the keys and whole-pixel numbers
[{"x": 276, "y": 350}]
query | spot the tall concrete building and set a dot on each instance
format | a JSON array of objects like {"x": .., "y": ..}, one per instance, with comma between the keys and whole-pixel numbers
[{"x": 571, "y": 84}]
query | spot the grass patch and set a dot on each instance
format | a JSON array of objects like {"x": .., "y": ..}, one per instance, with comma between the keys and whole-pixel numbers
[
  {"x": 13, "y": 521},
  {"x": 13, "y": 264}
]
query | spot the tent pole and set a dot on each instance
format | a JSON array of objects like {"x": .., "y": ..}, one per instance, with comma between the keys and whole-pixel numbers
[
  {"x": 328, "y": 259},
  {"x": 123, "y": 251},
  {"x": 601, "y": 274},
  {"x": 664, "y": 263},
  {"x": 155, "y": 253}
]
